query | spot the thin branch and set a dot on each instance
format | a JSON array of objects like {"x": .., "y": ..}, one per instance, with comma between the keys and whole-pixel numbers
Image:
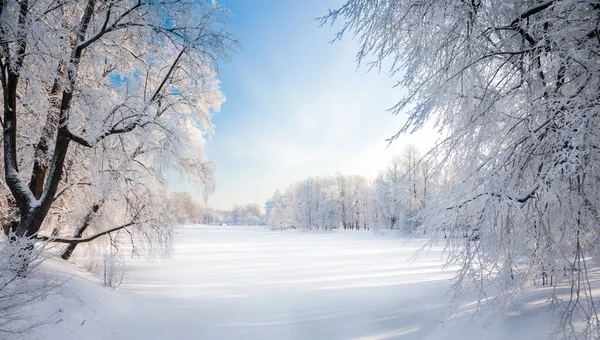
[{"x": 70, "y": 240}]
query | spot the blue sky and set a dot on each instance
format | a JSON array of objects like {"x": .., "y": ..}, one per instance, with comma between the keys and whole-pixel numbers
[{"x": 296, "y": 106}]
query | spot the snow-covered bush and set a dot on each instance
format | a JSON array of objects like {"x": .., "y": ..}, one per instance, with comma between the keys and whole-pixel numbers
[
  {"x": 105, "y": 259},
  {"x": 112, "y": 269},
  {"x": 21, "y": 286}
]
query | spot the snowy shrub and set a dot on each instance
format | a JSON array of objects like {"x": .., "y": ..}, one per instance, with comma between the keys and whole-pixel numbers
[
  {"x": 104, "y": 261},
  {"x": 21, "y": 286},
  {"x": 112, "y": 272}
]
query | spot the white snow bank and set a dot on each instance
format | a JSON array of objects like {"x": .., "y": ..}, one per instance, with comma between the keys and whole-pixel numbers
[{"x": 79, "y": 308}]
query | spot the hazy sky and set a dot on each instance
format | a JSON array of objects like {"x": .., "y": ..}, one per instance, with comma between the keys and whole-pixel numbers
[{"x": 296, "y": 106}]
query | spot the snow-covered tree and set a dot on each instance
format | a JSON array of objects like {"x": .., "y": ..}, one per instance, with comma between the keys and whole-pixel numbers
[
  {"x": 249, "y": 214},
  {"x": 212, "y": 216},
  {"x": 185, "y": 208},
  {"x": 391, "y": 201},
  {"x": 279, "y": 212},
  {"x": 513, "y": 88},
  {"x": 322, "y": 203},
  {"x": 110, "y": 92},
  {"x": 389, "y": 190}
]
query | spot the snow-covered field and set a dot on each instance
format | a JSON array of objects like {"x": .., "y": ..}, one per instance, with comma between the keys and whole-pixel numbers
[{"x": 253, "y": 283}]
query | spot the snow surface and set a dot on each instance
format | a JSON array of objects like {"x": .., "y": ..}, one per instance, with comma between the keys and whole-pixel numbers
[{"x": 253, "y": 283}]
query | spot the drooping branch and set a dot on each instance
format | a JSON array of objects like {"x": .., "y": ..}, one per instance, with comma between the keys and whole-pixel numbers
[
  {"x": 72, "y": 240},
  {"x": 518, "y": 199},
  {"x": 88, "y": 219}
]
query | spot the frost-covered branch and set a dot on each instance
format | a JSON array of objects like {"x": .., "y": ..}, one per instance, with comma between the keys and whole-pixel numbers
[{"x": 86, "y": 239}]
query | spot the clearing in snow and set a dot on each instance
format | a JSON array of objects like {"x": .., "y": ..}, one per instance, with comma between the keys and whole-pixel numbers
[{"x": 226, "y": 282}]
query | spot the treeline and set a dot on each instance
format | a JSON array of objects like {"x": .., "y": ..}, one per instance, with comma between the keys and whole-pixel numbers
[
  {"x": 391, "y": 201},
  {"x": 249, "y": 214},
  {"x": 184, "y": 209}
]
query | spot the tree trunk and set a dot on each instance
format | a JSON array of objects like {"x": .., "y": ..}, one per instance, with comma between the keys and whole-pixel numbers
[
  {"x": 81, "y": 229},
  {"x": 11, "y": 224},
  {"x": 26, "y": 230}
]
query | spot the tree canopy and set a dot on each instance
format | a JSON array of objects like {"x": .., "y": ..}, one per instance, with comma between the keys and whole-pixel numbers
[{"x": 101, "y": 99}]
